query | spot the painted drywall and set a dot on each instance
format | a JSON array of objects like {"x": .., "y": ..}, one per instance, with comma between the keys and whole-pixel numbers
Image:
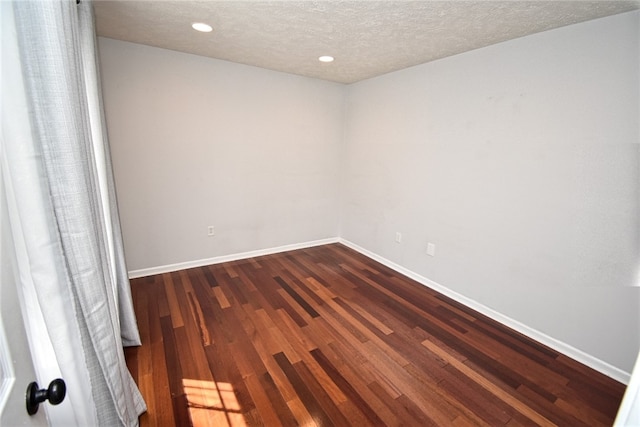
[
  {"x": 520, "y": 162},
  {"x": 198, "y": 142}
]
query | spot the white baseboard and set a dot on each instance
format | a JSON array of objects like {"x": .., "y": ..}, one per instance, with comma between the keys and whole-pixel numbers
[
  {"x": 534, "y": 334},
  {"x": 226, "y": 258},
  {"x": 566, "y": 349}
]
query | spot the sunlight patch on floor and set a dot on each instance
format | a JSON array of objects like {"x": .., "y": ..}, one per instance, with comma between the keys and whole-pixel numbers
[{"x": 212, "y": 404}]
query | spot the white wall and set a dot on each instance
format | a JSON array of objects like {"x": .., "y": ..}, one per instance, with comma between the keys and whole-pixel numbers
[
  {"x": 520, "y": 161},
  {"x": 198, "y": 142}
]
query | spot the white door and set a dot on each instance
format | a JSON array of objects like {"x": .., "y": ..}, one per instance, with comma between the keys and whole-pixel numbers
[{"x": 16, "y": 367}]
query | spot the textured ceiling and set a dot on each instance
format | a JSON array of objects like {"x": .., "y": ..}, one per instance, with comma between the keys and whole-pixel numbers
[{"x": 367, "y": 38}]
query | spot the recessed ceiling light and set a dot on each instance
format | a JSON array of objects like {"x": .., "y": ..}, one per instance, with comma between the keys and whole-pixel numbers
[
  {"x": 326, "y": 58},
  {"x": 201, "y": 26}
]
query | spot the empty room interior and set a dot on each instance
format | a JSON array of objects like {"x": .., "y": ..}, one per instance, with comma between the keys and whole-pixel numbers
[{"x": 452, "y": 241}]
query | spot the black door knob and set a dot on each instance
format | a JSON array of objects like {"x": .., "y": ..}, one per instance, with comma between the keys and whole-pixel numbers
[{"x": 54, "y": 394}]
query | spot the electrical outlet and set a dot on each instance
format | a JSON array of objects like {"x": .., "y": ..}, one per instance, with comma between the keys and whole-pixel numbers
[
  {"x": 398, "y": 237},
  {"x": 431, "y": 249},
  {"x": 210, "y": 231}
]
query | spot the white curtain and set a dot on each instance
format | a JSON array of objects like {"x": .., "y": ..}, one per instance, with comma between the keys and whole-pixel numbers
[{"x": 56, "y": 170}]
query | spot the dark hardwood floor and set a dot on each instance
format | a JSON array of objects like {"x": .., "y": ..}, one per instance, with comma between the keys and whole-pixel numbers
[{"x": 325, "y": 336}]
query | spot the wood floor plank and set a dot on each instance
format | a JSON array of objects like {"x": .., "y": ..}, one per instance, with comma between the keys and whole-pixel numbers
[
  {"x": 403, "y": 409},
  {"x": 283, "y": 410},
  {"x": 159, "y": 376},
  {"x": 359, "y": 404},
  {"x": 302, "y": 389},
  {"x": 228, "y": 376},
  {"x": 323, "y": 396},
  {"x": 490, "y": 386},
  {"x": 350, "y": 372},
  {"x": 174, "y": 372},
  {"x": 326, "y": 336}
]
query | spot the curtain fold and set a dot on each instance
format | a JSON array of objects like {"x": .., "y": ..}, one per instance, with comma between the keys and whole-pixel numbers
[
  {"x": 85, "y": 275},
  {"x": 114, "y": 244}
]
